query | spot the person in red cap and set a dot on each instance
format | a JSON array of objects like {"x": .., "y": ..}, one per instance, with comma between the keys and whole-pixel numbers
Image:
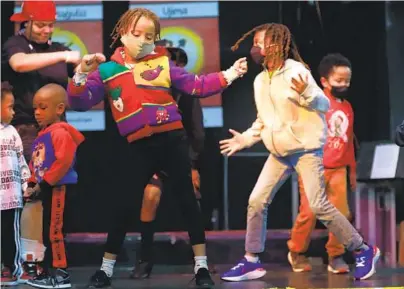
[{"x": 31, "y": 60}]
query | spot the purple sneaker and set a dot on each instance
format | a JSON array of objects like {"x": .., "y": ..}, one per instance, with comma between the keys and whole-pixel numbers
[
  {"x": 244, "y": 270},
  {"x": 365, "y": 264}
]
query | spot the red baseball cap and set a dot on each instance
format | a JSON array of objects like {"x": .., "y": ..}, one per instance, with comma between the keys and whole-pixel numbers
[{"x": 36, "y": 11}]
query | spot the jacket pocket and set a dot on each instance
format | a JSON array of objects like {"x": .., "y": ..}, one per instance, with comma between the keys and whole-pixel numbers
[
  {"x": 287, "y": 141},
  {"x": 292, "y": 133}
]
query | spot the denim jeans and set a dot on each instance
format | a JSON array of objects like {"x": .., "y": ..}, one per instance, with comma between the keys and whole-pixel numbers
[{"x": 309, "y": 166}]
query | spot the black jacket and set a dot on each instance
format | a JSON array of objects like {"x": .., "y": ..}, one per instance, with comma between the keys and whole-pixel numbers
[{"x": 192, "y": 119}]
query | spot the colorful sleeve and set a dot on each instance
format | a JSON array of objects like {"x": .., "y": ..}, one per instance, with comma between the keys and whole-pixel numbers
[
  {"x": 197, "y": 85},
  {"x": 22, "y": 164},
  {"x": 85, "y": 90},
  {"x": 65, "y": 150}
]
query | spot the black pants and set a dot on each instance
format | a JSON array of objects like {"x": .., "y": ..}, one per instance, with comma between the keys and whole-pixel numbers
[
  {"x": 11, "y": 240},
  {"x": 166, "y": 152},
  {"x": 53, "y": 218}
]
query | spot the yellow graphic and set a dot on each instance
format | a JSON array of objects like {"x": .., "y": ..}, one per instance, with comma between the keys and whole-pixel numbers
[
  {"x": 69, "y": 39},
  {"x": 190, "y": 42},
  {"x": 153, "y": 72}
]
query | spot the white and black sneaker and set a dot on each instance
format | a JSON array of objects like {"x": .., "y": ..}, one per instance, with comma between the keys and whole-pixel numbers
[{"x": 57, "y": 279}]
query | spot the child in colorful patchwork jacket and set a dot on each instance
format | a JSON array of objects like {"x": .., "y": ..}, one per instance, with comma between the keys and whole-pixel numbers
[{"x": 138, "y": 81}]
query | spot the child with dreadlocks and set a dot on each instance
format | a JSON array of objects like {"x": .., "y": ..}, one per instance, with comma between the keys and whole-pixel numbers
[
  {"x": 291, "y": 123},
  {"x": 192, "y": 119},
  {"x": 137, "y": 81}
]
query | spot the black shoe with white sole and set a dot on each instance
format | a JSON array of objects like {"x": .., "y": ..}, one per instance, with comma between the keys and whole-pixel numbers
[{"x": 57, "y": 279}]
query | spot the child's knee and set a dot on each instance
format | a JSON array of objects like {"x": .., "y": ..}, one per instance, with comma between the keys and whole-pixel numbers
[
  {"x": 31, "y": 221},
  {"x": 256, "y": 204}
]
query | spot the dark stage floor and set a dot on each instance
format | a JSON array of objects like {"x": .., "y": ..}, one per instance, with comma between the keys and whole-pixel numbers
[{"x": 170, "y": 277}]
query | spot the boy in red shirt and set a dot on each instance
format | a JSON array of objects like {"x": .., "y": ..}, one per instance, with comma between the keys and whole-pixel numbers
[
  {"x": 339, "y": 162},
  {"x": 53, "y": 177}
]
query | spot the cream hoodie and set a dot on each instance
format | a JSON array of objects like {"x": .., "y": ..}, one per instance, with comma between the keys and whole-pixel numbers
[{"x": 287, "y": 122}]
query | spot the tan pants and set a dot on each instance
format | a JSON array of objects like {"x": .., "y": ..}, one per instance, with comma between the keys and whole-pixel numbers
[
  {"x": 31, "y": 221},
  {"x": 31, "y": 216}
]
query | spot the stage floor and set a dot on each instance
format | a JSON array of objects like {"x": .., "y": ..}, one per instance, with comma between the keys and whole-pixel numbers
[{"x": 178, "y": 277}]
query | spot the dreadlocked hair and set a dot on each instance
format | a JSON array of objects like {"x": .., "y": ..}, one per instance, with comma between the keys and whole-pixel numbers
[
  {"x": 126, "y": 20},
  {"x": 280, "y": 36}
]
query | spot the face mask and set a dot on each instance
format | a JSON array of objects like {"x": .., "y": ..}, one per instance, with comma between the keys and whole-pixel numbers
[
  {"x": 255, "y": 53},
  {"x": 339, "y": 92},
  {"x": 135, "y": 47}
]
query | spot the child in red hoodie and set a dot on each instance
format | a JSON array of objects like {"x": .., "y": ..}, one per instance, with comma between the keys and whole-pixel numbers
[
  {"x": 52, "y": 177},
  {"x": 339, "y": 166}
]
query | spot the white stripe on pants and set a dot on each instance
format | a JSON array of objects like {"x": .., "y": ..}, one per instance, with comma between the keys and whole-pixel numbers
[{"x": 17, "y": 239}]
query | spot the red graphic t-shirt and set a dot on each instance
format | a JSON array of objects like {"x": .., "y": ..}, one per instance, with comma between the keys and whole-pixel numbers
[{"x": 339, "y": 147}]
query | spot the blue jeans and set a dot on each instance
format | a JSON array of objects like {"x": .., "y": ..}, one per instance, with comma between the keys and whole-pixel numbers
[{"x": 309, "y": 165}]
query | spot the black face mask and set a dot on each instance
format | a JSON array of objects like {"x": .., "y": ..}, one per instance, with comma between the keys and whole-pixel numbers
[
  {"x": 339, "y": 92},
  {"x": 255, "y": 53}
]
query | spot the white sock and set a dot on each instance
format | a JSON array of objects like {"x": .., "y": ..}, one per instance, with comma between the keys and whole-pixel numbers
[
  {"x": 200, "y": 262},
  {"x": 108, "y": 266},
  {"x": 252, "y": 259},
  {"x": 32, "y": 250}
]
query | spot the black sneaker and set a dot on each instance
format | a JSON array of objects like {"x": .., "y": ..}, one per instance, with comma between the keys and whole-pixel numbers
[
  {"x": 142, "y": 270},
  {"x": 202, "y": 279},
  {"x": 31, "y": 270},
  {"x": 57, "y": 279},
  {"x": 99, "y": 280}
]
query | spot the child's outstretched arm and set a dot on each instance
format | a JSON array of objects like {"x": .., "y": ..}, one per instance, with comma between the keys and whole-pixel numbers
[
  {"x": 86, "y": 88},
  {"x": 240, "y": 141},
  {"x": 206, "y": 85},
  {"x": 85, "y": 91}
]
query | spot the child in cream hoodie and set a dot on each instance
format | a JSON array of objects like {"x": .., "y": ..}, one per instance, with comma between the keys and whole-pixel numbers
[{"x": 291, "y": 123}]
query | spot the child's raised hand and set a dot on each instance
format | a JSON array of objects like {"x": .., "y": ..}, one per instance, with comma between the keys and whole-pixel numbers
[
  {"x": 90, "y": 62},
  {"x": 300, "y": 85},
  {"x": 232, "y": 145},
  {"x": 241, "y": 66}
]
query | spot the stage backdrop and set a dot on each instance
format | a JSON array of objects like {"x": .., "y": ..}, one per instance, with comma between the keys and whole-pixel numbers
[{"x": 79, "y": 27}]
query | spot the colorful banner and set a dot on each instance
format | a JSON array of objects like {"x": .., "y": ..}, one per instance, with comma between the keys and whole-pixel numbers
[{"x": 79, "y": 27}]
